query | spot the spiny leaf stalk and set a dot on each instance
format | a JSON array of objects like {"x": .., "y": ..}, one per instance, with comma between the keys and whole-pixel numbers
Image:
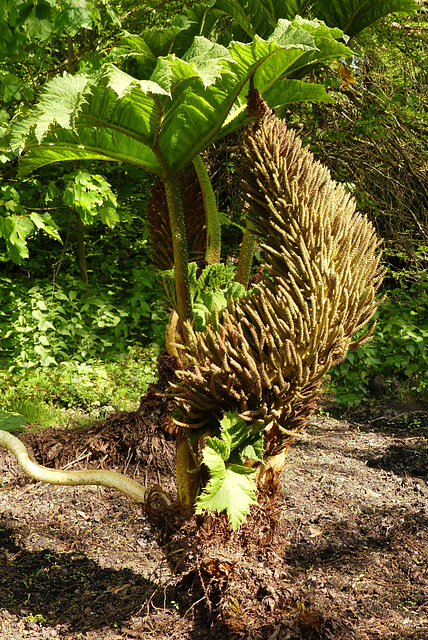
[{"x": 159, "y": 225}]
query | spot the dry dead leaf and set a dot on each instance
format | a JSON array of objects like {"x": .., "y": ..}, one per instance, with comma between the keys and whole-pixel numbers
[{"x": 315, "y": 530}]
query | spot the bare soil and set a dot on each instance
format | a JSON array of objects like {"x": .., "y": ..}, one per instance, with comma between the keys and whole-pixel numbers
[{"x": 339, "y": 551}]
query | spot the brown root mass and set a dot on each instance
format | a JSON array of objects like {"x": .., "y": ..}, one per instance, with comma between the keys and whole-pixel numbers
[{"x": 127, "y": 442}]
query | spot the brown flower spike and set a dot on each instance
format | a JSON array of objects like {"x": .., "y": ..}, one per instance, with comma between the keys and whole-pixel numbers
[
  {"x": 269, "y": 352},
  {"x": 159, "y": 226}
]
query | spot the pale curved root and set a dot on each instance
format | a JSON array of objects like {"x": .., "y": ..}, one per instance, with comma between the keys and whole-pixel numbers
[{"x": 105, "y": 478}]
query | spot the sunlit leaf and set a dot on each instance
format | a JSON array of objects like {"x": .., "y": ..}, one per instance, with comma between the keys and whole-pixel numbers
[
  {"x": 160, "y": 124},
  {"x": 232, "y": 488},
  {"x": 11, "y": 421}
]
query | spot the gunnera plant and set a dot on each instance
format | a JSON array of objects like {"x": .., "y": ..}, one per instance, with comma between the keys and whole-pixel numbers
[
  {"x": 249, "y": 378},
  {"x": 263, "y": 359}
]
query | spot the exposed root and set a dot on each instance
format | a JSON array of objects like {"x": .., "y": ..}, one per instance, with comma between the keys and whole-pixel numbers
[{"x": 112, "y": 479}]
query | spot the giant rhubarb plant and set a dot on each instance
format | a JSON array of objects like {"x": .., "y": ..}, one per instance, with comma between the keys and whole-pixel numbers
[{"x": 250, "y": 373}]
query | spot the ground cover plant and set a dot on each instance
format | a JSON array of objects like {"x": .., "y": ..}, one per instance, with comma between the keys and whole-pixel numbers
[
  {"x": 72, "y": 352},
  {"x": 75, "y": 393}
]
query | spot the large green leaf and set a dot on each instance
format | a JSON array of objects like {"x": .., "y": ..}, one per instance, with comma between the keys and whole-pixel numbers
[
  {"x": 352, "y": 16},
  {"x": 257, "y": 17},
  {"x": 108, "y": 117},
  {"x": 144, "y": 50},
  {"x": 289, "y": 91},
  {"x": 162, "y": 122}
]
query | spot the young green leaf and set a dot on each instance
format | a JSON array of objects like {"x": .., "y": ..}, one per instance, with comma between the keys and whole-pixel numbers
[
  {"x": 234, "y": 430},
  {"x": 232, "y": 488},
  {"x": 200, "y": 314},
  {"x": 242, "y": 442},
  {"x": 254, "y": 450}
]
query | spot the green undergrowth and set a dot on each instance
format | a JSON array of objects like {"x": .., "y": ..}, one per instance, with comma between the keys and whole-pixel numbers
[
  {"x": 77, "y": 393},
  {"x": 71, "y": 353},
  {"x": 43, "y": 324},
  {"x": 398, "y": 350}
]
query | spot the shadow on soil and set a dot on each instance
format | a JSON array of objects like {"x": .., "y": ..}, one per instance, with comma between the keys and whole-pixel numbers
[
  {"x": 350, "y": 544},
  {"x": 403, "y": 459},
  {"x": 389, "y": 417},
  {"x": 408, "y": 455},
  {"x": 73, "y": 591},
  {"x": 70, "y": 589}
]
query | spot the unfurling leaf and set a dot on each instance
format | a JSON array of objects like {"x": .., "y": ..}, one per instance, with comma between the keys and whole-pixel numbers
[
  {"x": 232, "y": 486},
  {"x": 210, "y": 290}
]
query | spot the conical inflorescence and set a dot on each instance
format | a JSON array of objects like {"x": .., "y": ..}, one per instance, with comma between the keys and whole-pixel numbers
[{"x": 267, "y": 355}]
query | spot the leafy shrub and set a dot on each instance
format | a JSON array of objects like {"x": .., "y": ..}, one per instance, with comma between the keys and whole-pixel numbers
[
  {"x": 43, "y": 394},
  {"x": 398, "y": 351},
  {"x": 46, "y": 324}
]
